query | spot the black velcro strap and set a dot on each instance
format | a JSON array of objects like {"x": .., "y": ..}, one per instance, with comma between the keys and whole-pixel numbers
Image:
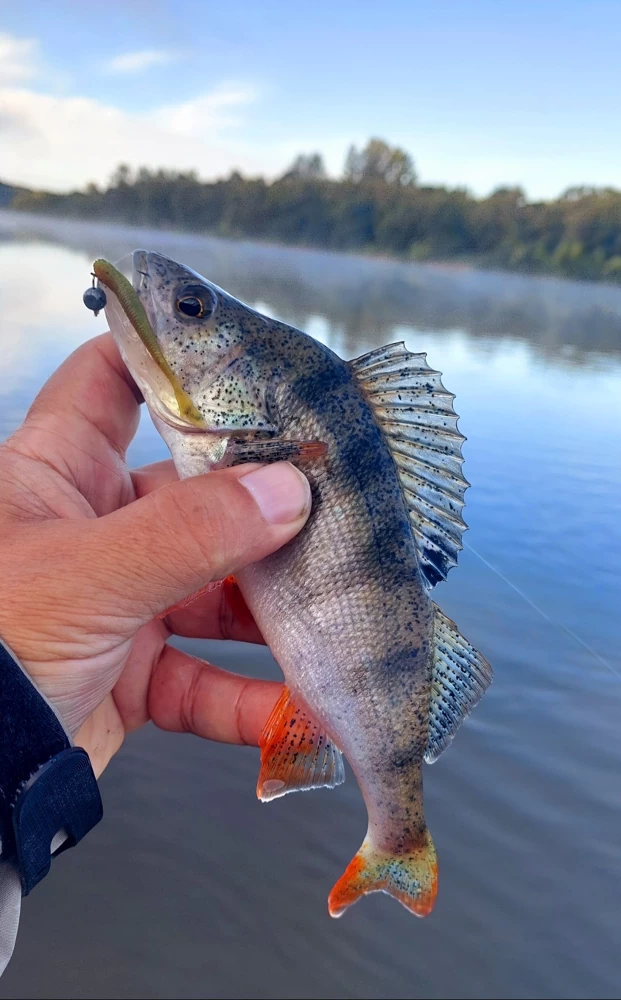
[
  {"x": 45, "y": 784},
  {"x": 62, "y": 795}
]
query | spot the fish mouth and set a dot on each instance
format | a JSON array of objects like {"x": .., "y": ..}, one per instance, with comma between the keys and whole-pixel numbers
[
  {"x": 140, "y": 270},
  {"x": 188, "y": 419},
  {"x": 139, "y": 346},
  {"x": 178, "y": 423}
]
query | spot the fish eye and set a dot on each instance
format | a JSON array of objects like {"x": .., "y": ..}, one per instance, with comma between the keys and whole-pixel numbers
[
  {"x": 195, "y": 301},
  {"x": 190, "y": 305}
]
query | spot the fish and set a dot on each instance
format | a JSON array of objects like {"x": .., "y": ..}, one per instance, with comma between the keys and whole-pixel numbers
[{"x": 374, "y": 671}]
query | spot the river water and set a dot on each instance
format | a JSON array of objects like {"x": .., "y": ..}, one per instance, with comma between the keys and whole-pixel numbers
[{"x": 190, "y": 887}]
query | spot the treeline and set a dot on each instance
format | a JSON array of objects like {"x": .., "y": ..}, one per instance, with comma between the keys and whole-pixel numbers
[{"x": 376, "y": 207}]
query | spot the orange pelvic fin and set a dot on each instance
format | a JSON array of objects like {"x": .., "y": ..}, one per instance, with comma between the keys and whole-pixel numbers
[
  {"x": 240, "y": 610},
  {"x": 296, "y": 754},
  {"x": 233, "y": 596},
  {"x": 412, "y": 878},
  {"x": 207, "y": 589}
]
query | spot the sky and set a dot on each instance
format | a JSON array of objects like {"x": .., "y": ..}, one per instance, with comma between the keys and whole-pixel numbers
[{"x": 482, "y": 93}]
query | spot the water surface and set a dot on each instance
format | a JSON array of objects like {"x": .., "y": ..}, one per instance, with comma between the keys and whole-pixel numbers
[{"x": 189, "y": 887}]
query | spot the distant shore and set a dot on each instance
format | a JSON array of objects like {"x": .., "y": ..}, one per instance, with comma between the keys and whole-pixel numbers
[
  {"x": 578, "y": 235},
  {"x": 358, "y": 294}
]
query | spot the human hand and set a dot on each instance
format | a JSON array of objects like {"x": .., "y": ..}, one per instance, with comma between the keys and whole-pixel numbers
[{"x": 94, "y": 555}]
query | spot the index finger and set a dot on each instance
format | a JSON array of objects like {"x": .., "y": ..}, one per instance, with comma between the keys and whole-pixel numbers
[
  {"x": 188, "y": 695},
  {"x": 92, "y": 390},
  {"x": 152, "y": 477},
  {"x": 82, "y": 422}
]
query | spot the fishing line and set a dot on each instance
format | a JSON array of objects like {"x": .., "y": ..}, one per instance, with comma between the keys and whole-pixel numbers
[{"x": 544, "y": 614}]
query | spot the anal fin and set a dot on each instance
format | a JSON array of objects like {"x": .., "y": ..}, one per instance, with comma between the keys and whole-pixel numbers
[{"x": 296, "y": 754}]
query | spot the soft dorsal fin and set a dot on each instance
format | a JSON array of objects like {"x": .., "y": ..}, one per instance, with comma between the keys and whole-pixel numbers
[
  {"x": 460, "y": 678},
  {"x": 416, "y": 414},
  {"x": 296, "y": 754}
]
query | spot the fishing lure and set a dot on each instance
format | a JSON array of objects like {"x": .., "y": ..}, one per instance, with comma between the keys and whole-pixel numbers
[{"x": 95, "y": 298}]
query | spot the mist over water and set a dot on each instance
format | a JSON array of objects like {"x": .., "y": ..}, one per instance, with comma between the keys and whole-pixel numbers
[{"x": 190, "y": 887}]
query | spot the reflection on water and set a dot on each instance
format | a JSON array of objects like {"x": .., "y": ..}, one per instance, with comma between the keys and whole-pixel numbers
[
  {"x": 364, "y": 299},
  {"x": 195, "y": 890}
]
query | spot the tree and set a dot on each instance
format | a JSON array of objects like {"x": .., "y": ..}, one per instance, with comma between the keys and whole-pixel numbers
[
  {"x": 306, "y": 167},
  {"x": 122, "y": 176},
  {"x": 578, "y": 192},
  {"x": 378, "y": 206},
  {"x": 380, "y": 162}
]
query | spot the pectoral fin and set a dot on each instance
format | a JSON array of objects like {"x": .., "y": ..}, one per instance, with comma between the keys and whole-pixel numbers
[
  {"x": 296, "y": 754},
  {"x": 273, "y": 451}
]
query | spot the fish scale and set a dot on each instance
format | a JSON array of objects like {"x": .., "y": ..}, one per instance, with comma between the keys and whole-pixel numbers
[{"x": 373, "y": 669}]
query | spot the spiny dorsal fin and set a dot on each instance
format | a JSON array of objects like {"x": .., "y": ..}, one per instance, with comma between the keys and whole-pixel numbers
[
  {"x": 460, "y": 678},
  {"x": 416, "y": 415},
  {"x": 296, "y": 754}
]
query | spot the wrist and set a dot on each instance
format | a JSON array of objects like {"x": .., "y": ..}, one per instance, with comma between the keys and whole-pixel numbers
[{"x": 49, "y": 797}]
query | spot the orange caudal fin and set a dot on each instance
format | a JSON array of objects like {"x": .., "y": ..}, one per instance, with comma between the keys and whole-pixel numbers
[
  {"x": 412, "y": 878},
  {"x": 296, "y": 753}
]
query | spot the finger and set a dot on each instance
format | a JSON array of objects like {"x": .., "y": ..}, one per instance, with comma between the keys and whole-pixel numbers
[
  {"x": 217, "y": 611},
  {"x": 220, "y": 613},
  {"x": 93, "y": 385},
  {"x": 82, "y": 422},
  {"x": 131, "y": 689},
  {"x": 153, "y": 477},
  {"x": 188, "y": 695},
  {"x": 151, "y": 554}
]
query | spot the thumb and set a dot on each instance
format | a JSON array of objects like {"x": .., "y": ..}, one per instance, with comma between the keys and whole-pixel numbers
[{"x": 167, "y": 545}]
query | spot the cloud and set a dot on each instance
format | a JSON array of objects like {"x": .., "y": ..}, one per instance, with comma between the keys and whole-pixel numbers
[
  {"x": 138, "y": 62},
  {"x": 18, "y": 58},
  {"x": 51, "y": 140},
  {"x": 60, "y": 142},
  {"x": 205, "y": 110}
]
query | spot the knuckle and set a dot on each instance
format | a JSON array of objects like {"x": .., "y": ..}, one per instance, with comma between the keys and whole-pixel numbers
[
  {"x": 226, "y": 618},
  {"x": 182, "y": 529},
  {"x": 239, "y": 712},
  {"x": 216, "y": 518}
]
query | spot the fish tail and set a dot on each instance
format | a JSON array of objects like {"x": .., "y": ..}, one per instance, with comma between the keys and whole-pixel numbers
[{"x": 411, "y": 877}]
